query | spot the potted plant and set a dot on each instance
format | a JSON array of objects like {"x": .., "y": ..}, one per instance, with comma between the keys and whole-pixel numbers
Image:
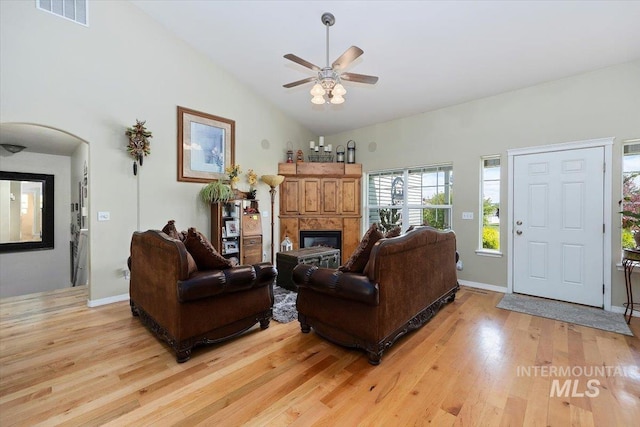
[{"x": 216, "y": 191}]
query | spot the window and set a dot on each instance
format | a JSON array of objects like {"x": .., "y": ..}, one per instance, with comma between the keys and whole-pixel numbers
[
  {"x": 414, "y": 196},
  {"x": 630, "y": 191},
  {"x": 490, "y": 200}
]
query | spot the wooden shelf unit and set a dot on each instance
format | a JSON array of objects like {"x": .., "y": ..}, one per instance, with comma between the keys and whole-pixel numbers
[
  {"x": 245, "y": 242},
  {"x": 321, "y": 196}
]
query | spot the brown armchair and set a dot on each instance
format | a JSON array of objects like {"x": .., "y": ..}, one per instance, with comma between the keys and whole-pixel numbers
[
  {"x": 406, "y": 281},
  {"x": 187, "y": 307}
]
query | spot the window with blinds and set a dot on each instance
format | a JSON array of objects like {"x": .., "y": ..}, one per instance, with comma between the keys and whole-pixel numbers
[
  {"x": 74, "y": 10},
  {"x": 413, "y": 196}
]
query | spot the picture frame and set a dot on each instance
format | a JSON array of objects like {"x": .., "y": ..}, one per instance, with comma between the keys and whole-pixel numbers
[
  {"x": 230, "y": 246},
  {"x": 232, "y": 228},
  {"x": 206, "y": 146}
]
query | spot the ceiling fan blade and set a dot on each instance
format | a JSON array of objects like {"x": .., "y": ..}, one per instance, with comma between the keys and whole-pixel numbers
[
  {"x": 298, "y": 60},
  {"x": 299, "y": 82},
  {"x": 347, "y": 58},
  {"x": 360, "y": 78}
]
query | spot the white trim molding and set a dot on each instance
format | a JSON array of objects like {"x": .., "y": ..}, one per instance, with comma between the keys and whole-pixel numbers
[
  {"x": 607, "y": 145},
  {"x": 485, "y": 286},
  {"x": 108, "y": 300}
]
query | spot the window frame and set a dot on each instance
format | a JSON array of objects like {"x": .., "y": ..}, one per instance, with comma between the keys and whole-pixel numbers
[
  {"x": 482, "y": 250},
  {"x": 404, "y": 206},
  {"x": 627, "y": 146}
]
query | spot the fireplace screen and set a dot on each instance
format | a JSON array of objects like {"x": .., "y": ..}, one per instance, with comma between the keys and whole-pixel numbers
[{"x": 331, "y": 239}]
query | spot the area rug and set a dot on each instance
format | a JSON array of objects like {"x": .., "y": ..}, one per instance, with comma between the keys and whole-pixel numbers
[
  {"x": 566, "y": 312},
  {"x": 284, "y": 307}
]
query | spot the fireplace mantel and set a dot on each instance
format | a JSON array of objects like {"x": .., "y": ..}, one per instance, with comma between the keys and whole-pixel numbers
[{"x": 321, "y": 196}]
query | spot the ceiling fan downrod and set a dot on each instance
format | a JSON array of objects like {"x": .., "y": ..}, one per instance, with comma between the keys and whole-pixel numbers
[{"x": 328, "y": 20}]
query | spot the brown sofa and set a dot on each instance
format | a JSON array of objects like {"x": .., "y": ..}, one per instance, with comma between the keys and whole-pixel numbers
[
  {"x": 186, "y": 308},
  {"x": 408, "y": 278}
]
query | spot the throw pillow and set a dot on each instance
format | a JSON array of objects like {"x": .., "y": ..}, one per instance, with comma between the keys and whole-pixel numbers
[
  {"x": 171, "y": 231},
  {"x": 394, "y": 232},
  {"x": 203, "y": 252},
  {"x": 191, "y": 264},
  {"x": 358, "y": 260}
]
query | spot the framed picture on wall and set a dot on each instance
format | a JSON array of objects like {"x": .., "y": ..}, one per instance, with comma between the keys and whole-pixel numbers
[{"x": 206, "y": 146}]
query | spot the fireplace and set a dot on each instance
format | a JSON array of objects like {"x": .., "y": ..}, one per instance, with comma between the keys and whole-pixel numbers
[{"x": 328, "y": 238}]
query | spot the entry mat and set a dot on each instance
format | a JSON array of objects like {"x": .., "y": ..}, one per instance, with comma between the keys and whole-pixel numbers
[{"x": 566, "y": 312}]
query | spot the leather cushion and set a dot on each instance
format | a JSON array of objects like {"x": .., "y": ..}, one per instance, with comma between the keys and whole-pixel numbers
[
  {"x": 203, "y": 252},
  {"x": 358, "y": 260}
]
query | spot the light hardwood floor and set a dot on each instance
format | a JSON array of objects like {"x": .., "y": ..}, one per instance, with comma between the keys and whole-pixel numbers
[{"x": 65, "y": 364}]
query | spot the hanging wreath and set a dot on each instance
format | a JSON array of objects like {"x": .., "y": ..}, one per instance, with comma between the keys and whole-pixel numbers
[{"x": 139, "y": 144}]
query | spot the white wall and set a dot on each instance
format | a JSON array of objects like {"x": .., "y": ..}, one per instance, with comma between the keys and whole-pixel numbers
[
  {"x": 603, "y": 103},
  {"x": 38, "y": 271},
  {"x": 94, "y": 82}
]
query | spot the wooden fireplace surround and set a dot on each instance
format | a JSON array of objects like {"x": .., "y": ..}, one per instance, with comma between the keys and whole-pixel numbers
[{"x": 321, "y": 196}]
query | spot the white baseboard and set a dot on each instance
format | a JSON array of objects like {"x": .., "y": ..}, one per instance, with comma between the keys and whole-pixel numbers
[
  {"x": 108, "y": 300},
  {"x": 618, "y": 309},
  {"x": 486, "y": 287}
]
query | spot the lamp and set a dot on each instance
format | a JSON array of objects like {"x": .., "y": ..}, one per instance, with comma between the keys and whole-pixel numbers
[
  {"x": 13, "y": 148},
  {"x": 272, "y": 181}
]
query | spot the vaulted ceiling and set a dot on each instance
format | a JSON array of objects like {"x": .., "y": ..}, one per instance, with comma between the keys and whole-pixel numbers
[{"x": 428, "y": 54}]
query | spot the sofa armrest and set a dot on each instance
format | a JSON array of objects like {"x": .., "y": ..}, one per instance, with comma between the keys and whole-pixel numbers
[
  {"x": 265, "y": 273},
  {"x": 352, "y": 286}
]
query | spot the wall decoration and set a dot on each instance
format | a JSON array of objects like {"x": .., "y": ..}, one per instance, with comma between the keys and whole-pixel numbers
[
  {"x": 206, "y": 146},
  {"x": 139, "y": 144}
]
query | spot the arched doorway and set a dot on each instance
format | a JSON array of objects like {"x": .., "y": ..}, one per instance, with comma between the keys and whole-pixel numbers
[{"x": 48, "y": 150}]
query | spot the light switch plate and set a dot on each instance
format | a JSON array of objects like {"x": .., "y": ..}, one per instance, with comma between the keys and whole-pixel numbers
[
  {"x": 467, "y": 215},
  {"x": 104, "y": 216}
]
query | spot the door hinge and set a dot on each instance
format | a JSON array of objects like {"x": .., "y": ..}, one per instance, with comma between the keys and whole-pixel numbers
[
  {"x": 602, "y": 228},
  {"x": 603, "y": 289},
  {"x": 604, "y": 167}
]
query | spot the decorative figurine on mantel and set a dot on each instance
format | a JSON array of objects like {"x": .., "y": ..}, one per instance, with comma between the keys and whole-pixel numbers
[
  {"x": 139, "y": 144},
  {"x": 300, "y": 157}
]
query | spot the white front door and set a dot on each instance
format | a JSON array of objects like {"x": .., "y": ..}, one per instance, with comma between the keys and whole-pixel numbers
[{"x": 558, "y": 217}]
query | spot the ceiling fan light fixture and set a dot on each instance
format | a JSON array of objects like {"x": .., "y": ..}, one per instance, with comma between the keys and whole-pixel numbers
[
  {"x": 339, "y": 90},
  {"x": 328, "y": 81},
  {"x": 337, "y": 99},
  {"x": 318, "y": 100},
  {"x": 317, "y": 90}
]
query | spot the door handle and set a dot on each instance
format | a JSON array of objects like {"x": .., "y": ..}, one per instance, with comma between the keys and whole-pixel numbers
[
  {"x": 519, "y": 232},
  {"x": 518, "y": 222}
]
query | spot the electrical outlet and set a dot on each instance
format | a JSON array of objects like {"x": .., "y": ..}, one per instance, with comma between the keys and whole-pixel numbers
[{"x": 104, "y": 216}]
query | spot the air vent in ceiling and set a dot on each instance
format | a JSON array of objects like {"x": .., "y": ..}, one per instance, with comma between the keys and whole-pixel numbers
[{"x": 74, "y": 10}]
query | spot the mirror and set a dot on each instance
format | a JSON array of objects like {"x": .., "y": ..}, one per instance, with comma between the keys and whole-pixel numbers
[{"x": 26, "y": 211}]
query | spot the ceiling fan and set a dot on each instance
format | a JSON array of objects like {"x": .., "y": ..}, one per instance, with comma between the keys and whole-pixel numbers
[{"x": 328, "y": 80}]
